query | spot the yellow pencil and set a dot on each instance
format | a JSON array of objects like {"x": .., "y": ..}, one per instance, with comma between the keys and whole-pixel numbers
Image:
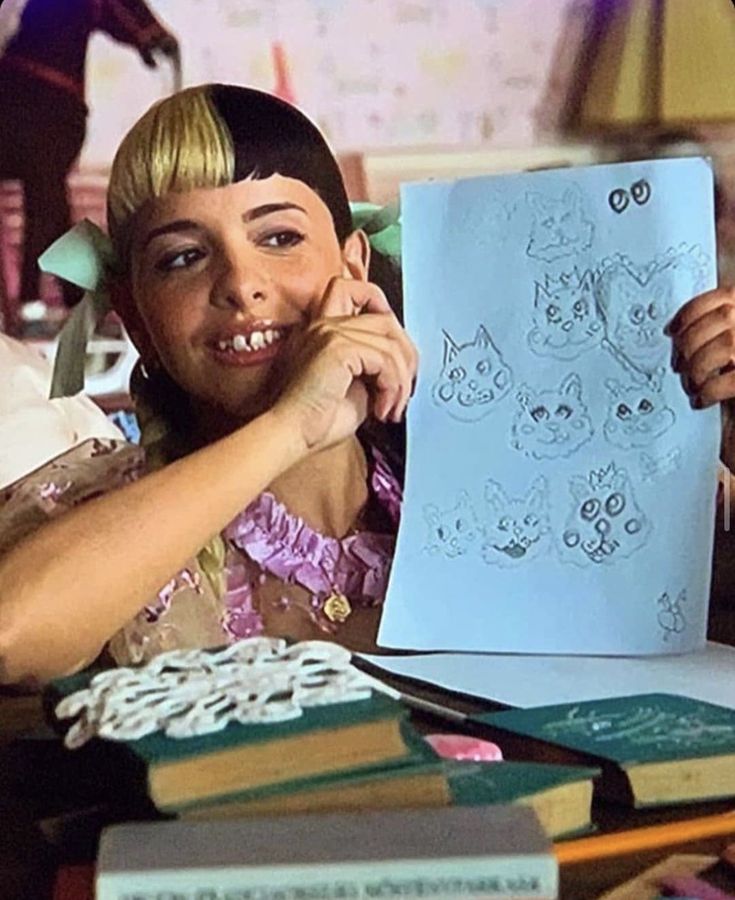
[{"x": 648, "y": 838}]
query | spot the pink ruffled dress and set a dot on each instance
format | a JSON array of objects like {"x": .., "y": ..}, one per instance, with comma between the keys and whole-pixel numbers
[{"x": 281, "y": 576}]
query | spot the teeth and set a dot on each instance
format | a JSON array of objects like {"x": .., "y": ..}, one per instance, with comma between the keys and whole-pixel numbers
[{"x": 256, "y": 340}]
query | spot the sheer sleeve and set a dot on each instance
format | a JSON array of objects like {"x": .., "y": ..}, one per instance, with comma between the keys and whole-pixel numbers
[{"x": 185, "y": 612}]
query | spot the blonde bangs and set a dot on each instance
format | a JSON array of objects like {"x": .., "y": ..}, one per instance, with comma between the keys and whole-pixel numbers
[{"x": 178, "y": 145}]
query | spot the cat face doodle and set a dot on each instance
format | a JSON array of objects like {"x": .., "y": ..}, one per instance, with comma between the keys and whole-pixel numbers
[
  {"x": 635, "y": 308},
  {"x": 551, "y": 423},
  {"x": 605, "y": 522},
  {"x": 561, "y": 227},
  {"x": 474, "y": 377},
  {"x": 636, "y": 415},
  {"x": 452, "y": 531},
  {"x": 566, "y": 319},
  {"x": 515, "y": 528}
]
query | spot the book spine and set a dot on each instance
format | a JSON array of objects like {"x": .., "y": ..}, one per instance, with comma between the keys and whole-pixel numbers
[{"x": 521, "y": 877}]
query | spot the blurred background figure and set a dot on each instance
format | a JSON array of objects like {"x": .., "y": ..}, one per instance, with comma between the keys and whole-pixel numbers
[{"x": 43, "y": 48}]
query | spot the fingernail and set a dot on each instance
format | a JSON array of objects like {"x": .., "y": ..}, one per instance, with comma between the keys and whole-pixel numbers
[{"x": 670, "y": 328}]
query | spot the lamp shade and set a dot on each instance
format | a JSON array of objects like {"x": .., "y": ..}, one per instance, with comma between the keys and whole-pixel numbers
[{"x": 661, "y": 64}]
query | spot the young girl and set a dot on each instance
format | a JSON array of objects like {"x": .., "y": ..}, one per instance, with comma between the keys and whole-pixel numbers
[{"x": 264, "y": 347}]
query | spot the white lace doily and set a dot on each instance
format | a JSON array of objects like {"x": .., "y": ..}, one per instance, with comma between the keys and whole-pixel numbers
[{"x": 192, "y": 692}]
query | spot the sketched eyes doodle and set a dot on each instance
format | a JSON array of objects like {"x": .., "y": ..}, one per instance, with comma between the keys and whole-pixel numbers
[
  {"x": 618, "y": 200},
  {"x": 640, "y": 193}
]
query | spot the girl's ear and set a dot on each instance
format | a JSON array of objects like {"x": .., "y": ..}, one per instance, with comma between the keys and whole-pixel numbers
[
  {"x": 356, "y": 256},
  {"x": 123, "y": 303}
]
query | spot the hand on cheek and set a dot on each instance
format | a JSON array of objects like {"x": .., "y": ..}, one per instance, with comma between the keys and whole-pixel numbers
[
  {"x": 353, "y": 358},
  {"x": 349, "y": 297}
]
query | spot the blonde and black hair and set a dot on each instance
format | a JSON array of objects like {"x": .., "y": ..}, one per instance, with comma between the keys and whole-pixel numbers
[
  {"x": 215, "y": 135},
  {"x": 207, "y": 137}
]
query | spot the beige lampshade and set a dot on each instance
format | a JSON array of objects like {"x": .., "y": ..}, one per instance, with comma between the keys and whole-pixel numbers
[{"x": 658, "y": 63}]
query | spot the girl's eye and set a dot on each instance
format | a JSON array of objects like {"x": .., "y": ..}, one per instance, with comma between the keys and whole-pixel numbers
[
  {"x": 181, "y": 259},
  {"x": 278, "y": 239}
]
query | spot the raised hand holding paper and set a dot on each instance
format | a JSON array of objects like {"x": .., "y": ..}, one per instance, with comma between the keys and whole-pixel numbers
[{"x": 560, "y": 490}]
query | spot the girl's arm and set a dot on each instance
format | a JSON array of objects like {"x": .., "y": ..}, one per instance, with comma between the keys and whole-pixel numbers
[{"x": 68, "y": 588}]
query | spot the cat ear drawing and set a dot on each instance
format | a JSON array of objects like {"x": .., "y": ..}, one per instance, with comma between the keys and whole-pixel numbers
[
  {"x": 571, "y": 386},
  {"x": 450, "y": 348},
  {"x": 538, "y": 493},
  {"x": 495, "y": 496}
]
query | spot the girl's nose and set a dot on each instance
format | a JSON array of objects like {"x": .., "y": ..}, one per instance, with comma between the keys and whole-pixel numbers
[{"x": 240, "y": 285}]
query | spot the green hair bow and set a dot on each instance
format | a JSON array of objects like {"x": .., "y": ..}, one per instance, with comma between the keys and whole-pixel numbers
[
  {"x": 382, "y": 225},
  {"x": 84, "y": 256}
]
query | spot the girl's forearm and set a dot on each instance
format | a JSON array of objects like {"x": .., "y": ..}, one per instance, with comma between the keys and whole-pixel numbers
[{"x": 68, "y": 588}]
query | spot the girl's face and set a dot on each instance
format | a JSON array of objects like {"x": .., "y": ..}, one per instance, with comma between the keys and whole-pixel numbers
[{"x": 221, "y": 276}]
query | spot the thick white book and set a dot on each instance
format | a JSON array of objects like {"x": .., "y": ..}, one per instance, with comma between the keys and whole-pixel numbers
[{"x": 461, "y": 852}]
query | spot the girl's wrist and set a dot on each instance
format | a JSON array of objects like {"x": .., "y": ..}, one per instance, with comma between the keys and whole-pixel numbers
[{"x": 285, "y": 439}]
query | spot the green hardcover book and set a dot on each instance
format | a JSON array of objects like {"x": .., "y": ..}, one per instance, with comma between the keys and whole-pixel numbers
[
  {"x": 411, "y": 785},
  {"x": 561, "y": 796},
  {"x": 323, "y": 740},
  {"x": 654, "y": 748}
]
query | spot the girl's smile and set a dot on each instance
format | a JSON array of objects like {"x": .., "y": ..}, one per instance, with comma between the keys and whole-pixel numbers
[{"x": 250, "y": 346}]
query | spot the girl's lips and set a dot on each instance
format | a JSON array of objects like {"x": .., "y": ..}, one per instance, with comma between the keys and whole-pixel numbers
[{"x": 240, "y": 352}]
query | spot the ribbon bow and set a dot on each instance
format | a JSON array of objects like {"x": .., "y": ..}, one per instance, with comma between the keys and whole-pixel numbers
[
  {"x": 84, "y": 256},
  {"x": 382, "y": 225}
]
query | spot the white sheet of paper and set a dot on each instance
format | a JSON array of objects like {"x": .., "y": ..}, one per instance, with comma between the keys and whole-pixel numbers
[
  {"x": 560, "y": 490},
  {"x": 516, "y": 680}
]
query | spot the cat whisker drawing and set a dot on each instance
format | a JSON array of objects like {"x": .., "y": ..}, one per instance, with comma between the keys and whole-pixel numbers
[{"x": 473, "y": 379}]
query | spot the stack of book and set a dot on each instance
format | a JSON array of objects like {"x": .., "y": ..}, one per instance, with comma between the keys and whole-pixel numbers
[{"x": 358, "y": 755}]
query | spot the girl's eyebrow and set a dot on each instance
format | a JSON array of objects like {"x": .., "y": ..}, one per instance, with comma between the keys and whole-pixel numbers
[
  {"x": 258, "y": 212},
  {"x": 171, "y": 228}
]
